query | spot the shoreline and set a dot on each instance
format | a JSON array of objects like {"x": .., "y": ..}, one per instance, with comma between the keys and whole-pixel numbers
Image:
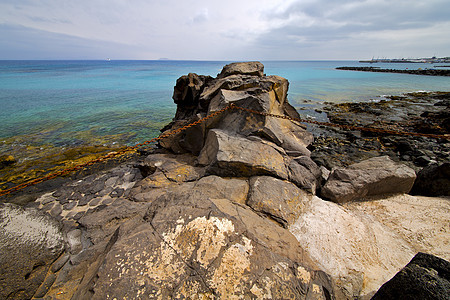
[
  {"x": 427, "y": 72},
  {"x": 422, "y": 112},
  {"x": 331, "y": 148}
]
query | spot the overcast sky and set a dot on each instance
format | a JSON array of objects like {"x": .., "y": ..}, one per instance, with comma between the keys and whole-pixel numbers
[{"x": 223, "y": 30}]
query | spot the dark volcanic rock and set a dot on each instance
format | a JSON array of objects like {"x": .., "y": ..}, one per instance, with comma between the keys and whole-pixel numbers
[
  {"x": 429, "y": 72},
  {"x": 425, "y": 277},
  {"x": 433, "y": 180},
  {"x": 244, "y": 85},
  {"x": 232, "y": 155}
]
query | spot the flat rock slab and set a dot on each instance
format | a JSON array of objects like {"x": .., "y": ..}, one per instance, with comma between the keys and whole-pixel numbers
[
  {"x": 355, "y": 249},
  {"x": 372, "y": 177}
]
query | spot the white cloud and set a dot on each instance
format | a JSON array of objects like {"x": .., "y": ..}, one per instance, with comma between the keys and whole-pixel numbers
[{"x": 236, "y": 29}]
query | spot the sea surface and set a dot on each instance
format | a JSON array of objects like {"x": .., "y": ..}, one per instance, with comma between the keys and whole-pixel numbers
[{"x": 64, "y": 103}]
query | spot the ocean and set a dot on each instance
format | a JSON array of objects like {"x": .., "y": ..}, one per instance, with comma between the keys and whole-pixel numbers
[{"x": 65, "y": 103}]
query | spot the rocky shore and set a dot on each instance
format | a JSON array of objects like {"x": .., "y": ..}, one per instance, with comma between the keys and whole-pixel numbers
[
  {"x": 246, "y": 206},
  {"x": 428, "y": 72}
]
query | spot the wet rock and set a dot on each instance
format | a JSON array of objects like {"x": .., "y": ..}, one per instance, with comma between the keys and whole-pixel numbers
[
  {"x": 6, "y": 160},
  {"x": 433, "y": 180},
  {"x": 372, "y": 177},
  {"x": 29, "y": 242},
  {"x": 424, "y": 277}
]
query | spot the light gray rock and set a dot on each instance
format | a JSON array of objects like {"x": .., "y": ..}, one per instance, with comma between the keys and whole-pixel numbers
[
  {"x": 279, "y": 199},
  {"x": 372, "y": 177},
  {"x": 355, "y": 249},
  {"x": 29, "y": 242}
]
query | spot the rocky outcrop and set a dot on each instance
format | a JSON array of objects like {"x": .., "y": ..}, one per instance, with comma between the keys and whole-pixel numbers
[
  {"x": 281, "y": 200},
  {"x": 424, "y": 277},
  {"x": 245, "y": 85},
  {"x": 375, "y": 176}
]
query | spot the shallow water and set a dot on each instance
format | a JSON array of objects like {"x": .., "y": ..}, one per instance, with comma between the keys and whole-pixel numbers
[{"x": 125, "y": 102}]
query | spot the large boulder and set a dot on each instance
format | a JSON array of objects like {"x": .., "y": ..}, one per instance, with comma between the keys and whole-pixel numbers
[
  {"x": 373, "y": 177},
  {"x": 424, "y": 277},
  {"x": 233, "y": 155},
  {"x": 29, "y": 243}
]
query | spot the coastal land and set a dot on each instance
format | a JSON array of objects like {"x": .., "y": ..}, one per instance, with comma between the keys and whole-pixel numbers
[
  {"x": 428, "y": 72},
  {"x": 247, "y": 205}
]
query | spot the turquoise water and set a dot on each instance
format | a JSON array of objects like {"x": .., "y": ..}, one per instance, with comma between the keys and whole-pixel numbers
[{"x": 126, "y": 102}]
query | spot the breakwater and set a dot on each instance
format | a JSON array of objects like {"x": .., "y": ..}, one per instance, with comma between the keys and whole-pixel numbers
[{"x": 429, "y": 72}]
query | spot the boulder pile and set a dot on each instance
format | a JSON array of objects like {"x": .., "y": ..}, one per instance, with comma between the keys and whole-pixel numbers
[{"x": 229, "y": 209}]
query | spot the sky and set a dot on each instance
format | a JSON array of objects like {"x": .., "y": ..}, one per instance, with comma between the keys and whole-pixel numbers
[{"x": 224, "y": 30}]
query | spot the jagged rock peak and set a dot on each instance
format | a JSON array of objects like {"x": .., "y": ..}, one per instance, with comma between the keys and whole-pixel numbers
[{"x": 254, "y": 68}]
